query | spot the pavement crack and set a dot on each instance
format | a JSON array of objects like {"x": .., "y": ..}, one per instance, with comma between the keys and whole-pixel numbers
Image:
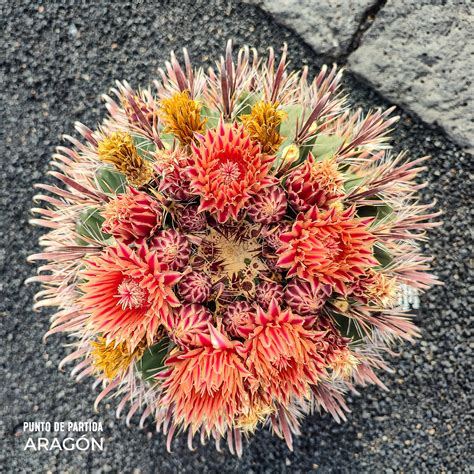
[{"x": 366, "y": 21}]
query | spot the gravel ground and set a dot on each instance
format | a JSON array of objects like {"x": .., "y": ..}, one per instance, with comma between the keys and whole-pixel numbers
[{"x": 58, "y": 60}]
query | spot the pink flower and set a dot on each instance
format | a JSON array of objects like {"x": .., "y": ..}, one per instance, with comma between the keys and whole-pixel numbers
[
  {"x": 268, "y": 205},
  {"x": 195, "y": 287},
  {"x": 188, "y": 324},
  {"x": 238, "y": 319},
  {"x": 172, "y": 248},
  {"x": 305, "y": 298},
  {"x": 314, "y": 183},
  {"x": 266, "y": 291},
  {"x": 132, "y": 216}
]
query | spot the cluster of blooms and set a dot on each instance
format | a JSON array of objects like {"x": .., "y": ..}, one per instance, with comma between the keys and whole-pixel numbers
[{"x": 229, "y": 251}]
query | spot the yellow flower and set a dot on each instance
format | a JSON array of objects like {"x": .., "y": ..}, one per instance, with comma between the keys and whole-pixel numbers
[
  {"x": 263, "y": 123},
  {"x": 182, "y": 117},
  {"x": 119, "y": 150},
  {"x": 113, "y": 359},
  {"x": 338, "y": 205}
]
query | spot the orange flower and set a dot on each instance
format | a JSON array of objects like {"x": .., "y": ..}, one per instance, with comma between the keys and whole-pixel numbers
[
  {"x": 127, "y": 293},
  {"x": 206, "y": 386},
  {"x": 228, "y": 169},
  {"x": 283, "y": 354},
  {"x": 331, "y": 246}
]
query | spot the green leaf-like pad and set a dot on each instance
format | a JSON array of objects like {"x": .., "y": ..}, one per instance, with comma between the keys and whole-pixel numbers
[
  {"x": 211, "y": 115},
  {"x": 347, "y": 327},
  {"x": 383, "y": 256},
  {"x": 90, "y": 225},
  {"x": 351, "y": 182},
  {"x": 246, "y": 101},
  {"x": 110, "y": 181},
  {"x": 326, "y": 146},
  {"x": 153, "y": 359},
  {"x": 378, "y": 211},
  {"x": 288, "y": 126},
  {"x": 144, "y": 146}
]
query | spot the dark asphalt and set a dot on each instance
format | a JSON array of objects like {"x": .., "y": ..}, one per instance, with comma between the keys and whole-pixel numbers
[{"x": 57, "y": 60}]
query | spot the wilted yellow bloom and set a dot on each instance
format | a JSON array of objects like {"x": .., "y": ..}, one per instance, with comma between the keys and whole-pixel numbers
[
  {"x": 182, "y": 116},
  {"x": 263, "y": 123},
  {"x": 290, "y": 154},
  {"x": 341, "y": 304},
  {"x": 327, "y": 174},
  {"x": 113, "y": 360},
  {"x": 338, "y": 205},
  {"x": 119, "y": 150},
  {"x": 256, "y": 413},
  {"x": 344, "y": 363},
  {"x": 382, "y": 289}
]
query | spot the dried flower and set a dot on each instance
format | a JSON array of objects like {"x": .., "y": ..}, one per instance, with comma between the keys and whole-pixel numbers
[
  {"x": 112, "y": 359},
  {"x": 119, "y": 150},
  {"x": 182, "y": 116},
  {"x": 143, "y": 109},
  {"x": 343, "y": 363},
  {"x": 256, "y": 412},
  {"x": 338, "y": 356},
  {"x": 263, "y": 124},
  {"x": 377, "y": 288}
]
